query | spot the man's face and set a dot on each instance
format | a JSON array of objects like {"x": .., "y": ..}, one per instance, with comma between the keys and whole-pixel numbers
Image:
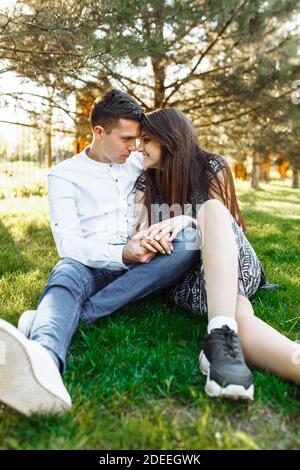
[{"x": 117, "y": 146}]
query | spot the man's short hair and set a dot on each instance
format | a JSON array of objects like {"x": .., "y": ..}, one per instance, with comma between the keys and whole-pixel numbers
[{"x": 114, "y": 105}]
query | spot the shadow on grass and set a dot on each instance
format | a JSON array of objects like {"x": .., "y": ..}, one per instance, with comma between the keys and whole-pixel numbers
[
  {"x": 34, "y": 250},
  {"x": 281, "y": 184},
  {"x": 251, "y": 197},
  {"x": 11, "y": 256},
  {"x": 262, "y": 218}
]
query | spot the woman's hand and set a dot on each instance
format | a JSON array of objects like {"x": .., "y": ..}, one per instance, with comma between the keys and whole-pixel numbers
[
  {"x": 162, "y": 246},
  {"x": 169, "y": 229}
]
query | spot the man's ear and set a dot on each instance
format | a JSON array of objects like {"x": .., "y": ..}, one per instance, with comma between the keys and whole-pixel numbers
[{"x": 98, "y": 131}]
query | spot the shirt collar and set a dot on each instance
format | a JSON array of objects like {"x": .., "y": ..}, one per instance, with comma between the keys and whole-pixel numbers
[{"x": 90, "y": 161}]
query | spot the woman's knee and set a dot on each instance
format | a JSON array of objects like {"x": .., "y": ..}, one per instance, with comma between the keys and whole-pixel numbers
[
  {"x": 211, "y": 205},
  {"x": 212, "y": 209},
  {"x": 215, "y": 204}
]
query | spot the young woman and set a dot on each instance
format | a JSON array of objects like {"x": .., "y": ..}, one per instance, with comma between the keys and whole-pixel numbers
[{"x": 182, "y": 176}]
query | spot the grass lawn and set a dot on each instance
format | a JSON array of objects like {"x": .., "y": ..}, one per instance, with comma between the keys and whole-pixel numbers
[{"x": 134, "y": 376}]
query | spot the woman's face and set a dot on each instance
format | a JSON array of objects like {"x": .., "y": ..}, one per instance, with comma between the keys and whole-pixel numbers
[{"x": 151, "y": 151}]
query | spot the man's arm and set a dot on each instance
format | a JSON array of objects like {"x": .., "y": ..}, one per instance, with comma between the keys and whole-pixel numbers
[
  {"x": 69, "y": 239},
  {"x": 67, "y": 233}
]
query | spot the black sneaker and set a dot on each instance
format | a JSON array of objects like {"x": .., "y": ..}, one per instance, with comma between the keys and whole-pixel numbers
[{"x": 222, "y": 360}]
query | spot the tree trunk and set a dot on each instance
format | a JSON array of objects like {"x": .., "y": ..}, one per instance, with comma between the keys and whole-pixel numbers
[
  {"x": 295, "y": 178},
  {"x": 158, "y": 60},
  {"x": 159, "y": 83},
  {"x": 255, "y": 172},
  {"x": 49, "y": 150},
  {"x": 49, "y": 136}
]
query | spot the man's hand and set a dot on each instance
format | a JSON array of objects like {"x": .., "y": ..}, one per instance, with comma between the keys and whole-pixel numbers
[
  {"x": 162, "y": 246},
  {"x": 135, "y": 252}
]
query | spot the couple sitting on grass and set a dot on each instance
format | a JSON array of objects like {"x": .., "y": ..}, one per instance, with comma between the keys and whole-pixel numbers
[{"x": 130, "y": 222}]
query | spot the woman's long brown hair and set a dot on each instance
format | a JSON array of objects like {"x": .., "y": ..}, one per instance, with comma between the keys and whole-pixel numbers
[{"x": 185, "y": 171}]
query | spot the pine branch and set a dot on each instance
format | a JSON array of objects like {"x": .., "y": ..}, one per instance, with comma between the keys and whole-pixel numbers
[
  {"x": 179, "y": 83},
  {"x": 249, "y": 111}
]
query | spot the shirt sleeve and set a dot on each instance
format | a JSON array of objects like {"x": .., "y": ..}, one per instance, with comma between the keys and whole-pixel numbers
[
  {"x": 67, "y": 233},
  {"x": 216, "y": 164},
  {"x": 141, "y": 184}
]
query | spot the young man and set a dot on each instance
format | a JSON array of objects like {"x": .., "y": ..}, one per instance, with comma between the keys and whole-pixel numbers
[{"x": 91, "y": 199}]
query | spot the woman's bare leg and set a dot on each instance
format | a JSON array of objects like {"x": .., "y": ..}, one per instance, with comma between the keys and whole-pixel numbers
[
  {"x": 263, "y": 346},
  {"x": 220, "y": 258}
]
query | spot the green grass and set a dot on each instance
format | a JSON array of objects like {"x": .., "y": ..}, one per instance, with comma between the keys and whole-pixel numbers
[{"x": 134, "y": 376}]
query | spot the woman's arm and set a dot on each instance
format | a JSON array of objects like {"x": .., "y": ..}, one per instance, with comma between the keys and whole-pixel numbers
[
  {"x": 221, "y": 189},
  {"x": 141, "y": 225},
  {"x": 141, "y": 218},
  {"x": 170, "y": 228},
  {"x": 141, "y": 232}
]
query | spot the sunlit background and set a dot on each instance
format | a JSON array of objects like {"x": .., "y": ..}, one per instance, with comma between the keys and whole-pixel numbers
[{"x": 28, "y": 147}]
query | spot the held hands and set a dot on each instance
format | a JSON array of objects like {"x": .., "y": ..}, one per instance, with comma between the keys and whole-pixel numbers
[
  {"x": 141, "y": 249},
  {"x": 135, "y": 252},
  {"x": 156, "y": 239},
  {"x": 169, "y": 229}
]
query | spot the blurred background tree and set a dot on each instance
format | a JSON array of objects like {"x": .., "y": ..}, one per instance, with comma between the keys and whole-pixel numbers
[{"x": 229, "y": 64}]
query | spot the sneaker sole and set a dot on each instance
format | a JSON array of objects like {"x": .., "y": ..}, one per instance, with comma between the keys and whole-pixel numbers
[
  {"x": 232, "y": 391},
  {"x": 25, "y": 323},
  {"x": 20, "y": 388}
]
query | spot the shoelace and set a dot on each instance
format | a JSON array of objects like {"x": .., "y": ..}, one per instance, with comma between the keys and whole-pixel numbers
[{"x": 228, "y": 339}]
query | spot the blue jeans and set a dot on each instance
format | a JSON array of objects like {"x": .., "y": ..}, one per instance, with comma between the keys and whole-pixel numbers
[{"x": 75, "y": 291}]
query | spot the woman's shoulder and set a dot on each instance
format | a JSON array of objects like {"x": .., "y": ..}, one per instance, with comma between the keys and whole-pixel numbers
[
  {"x": 141, "y": 183},
  {"x": 216, "y": 163}
]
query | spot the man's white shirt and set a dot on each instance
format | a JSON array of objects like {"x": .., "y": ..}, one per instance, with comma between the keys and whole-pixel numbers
[{"x": 92, "y": 208}]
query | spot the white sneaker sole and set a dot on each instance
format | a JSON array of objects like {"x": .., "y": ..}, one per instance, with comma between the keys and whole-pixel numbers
[
  {"x": 213, "y": 389},
  {"x": 20, "y": 388}
]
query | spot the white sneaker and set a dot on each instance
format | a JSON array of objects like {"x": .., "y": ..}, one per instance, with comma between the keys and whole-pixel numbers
[
  {"x": 30, "y": 381},
  {"x": 25, "y": 322}
]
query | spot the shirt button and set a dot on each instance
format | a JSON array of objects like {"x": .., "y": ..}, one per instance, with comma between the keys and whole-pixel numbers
[
  {"x": 116, "y": 181},
  {"x": 110, "y": 165}
]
